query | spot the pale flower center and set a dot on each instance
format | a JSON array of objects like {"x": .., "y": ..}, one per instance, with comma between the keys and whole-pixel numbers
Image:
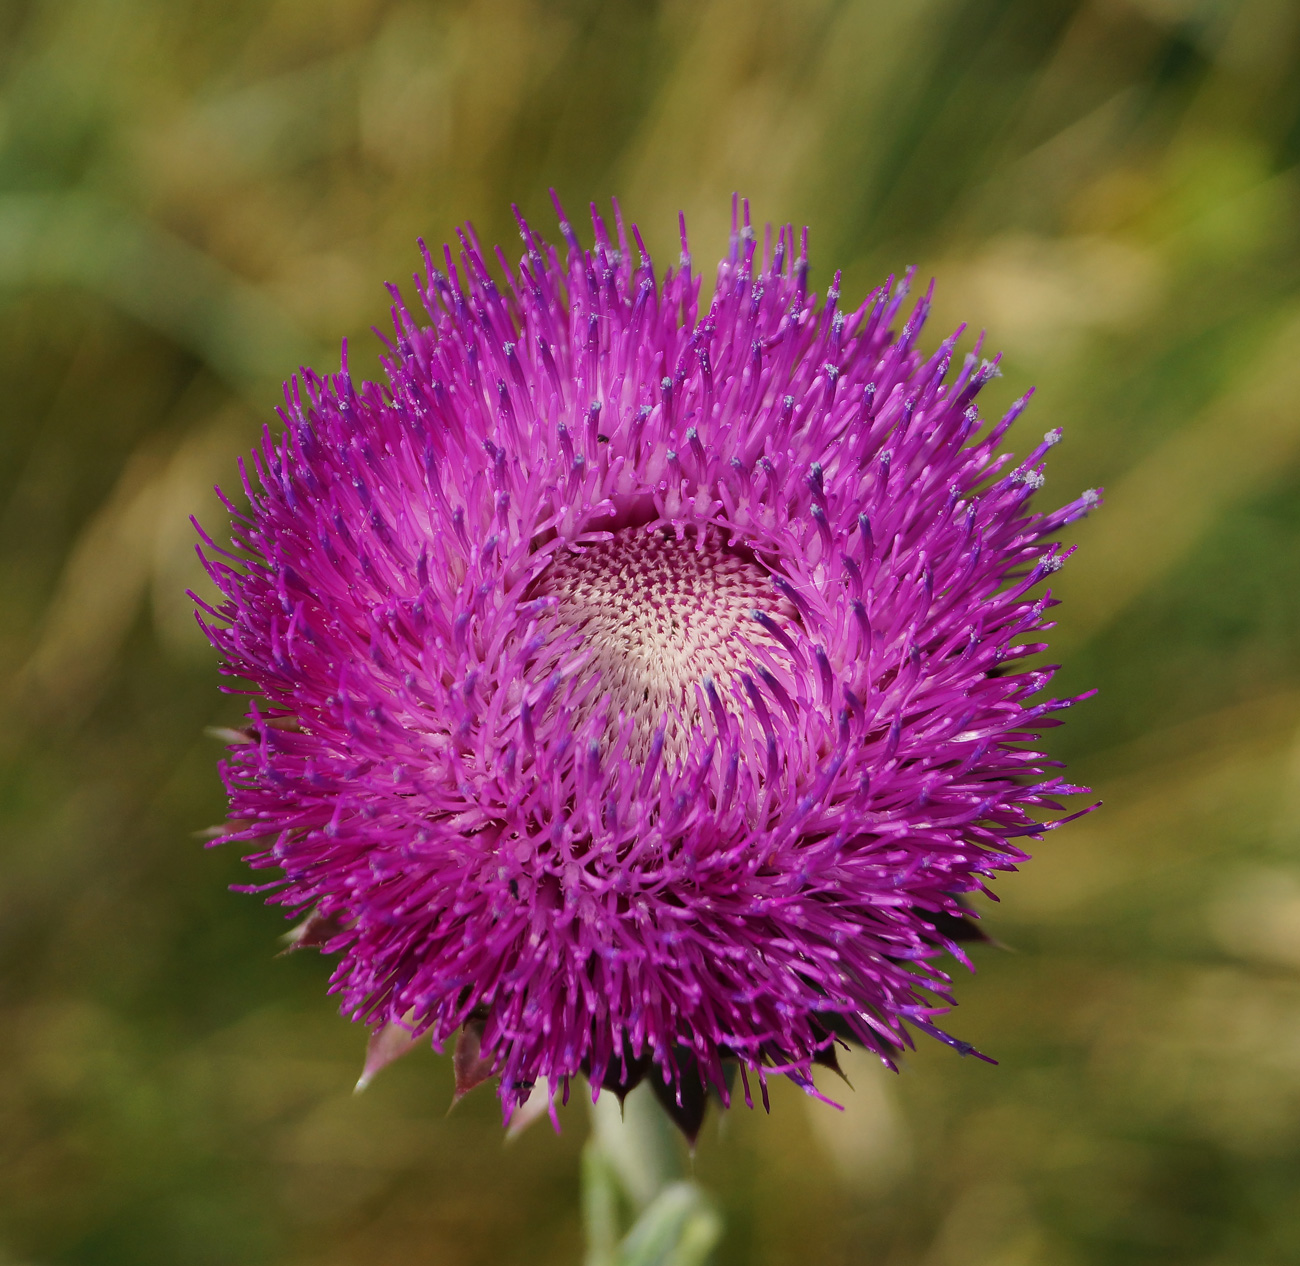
[{"x": 661, "y": 617}]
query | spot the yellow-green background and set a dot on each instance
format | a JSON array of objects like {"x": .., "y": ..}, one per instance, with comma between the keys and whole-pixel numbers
[{"x": 198, "y": 195}]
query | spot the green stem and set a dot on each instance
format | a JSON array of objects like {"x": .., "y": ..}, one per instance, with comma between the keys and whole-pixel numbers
[{"x": 632, "y": 1158}]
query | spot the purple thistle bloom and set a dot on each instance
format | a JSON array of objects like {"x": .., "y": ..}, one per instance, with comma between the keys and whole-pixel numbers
[{"x": 639, "y": 681}]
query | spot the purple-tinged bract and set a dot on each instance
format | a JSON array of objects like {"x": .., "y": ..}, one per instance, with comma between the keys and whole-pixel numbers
[{"x": 638, "y": 680}]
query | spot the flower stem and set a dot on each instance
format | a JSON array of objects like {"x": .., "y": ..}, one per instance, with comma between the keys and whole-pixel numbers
[{"x": 633, "y": 1159}]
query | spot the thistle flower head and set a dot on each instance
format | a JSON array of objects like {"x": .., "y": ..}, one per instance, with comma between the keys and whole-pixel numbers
[{"x": 637, "y": 678}]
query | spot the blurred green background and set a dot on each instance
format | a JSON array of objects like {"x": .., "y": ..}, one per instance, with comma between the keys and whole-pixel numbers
[{"x": 198, "y": 195}]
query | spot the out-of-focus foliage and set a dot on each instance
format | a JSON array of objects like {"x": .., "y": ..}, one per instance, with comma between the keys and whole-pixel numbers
[{"x": 196, "y": 196}]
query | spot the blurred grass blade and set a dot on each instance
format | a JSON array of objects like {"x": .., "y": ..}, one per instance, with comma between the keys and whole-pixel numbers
[
  {"x": 139, "y": 536},
  {"x": 82, "y": 240},
  {"x": 1247, "y": 438}
]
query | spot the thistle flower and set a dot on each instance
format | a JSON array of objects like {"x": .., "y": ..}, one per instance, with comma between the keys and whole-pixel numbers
[{"x": 637, "y": 683}]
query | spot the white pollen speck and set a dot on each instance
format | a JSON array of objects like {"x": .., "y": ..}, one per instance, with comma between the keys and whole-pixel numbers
[
  {"x": 667, "y": 384},
  {"x": 1053, "y": 437},
  {"x": 1090, "y": 498}
]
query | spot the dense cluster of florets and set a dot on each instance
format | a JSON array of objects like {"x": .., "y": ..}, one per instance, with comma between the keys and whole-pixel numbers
[{"x": 638, "y": 684}]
